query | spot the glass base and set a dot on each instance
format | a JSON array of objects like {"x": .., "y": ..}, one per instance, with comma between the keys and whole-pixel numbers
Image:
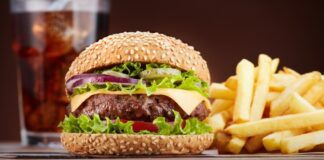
[{"x": 41, "y": 139}]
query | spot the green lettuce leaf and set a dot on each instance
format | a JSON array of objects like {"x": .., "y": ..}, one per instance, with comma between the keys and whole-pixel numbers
[
  {"x": 134, "y": 68},
  {"x": 85, "y": 124},
  {"x": 156, "y": 65},
  {"x": 71, "y": 124},
  {"x": 186, "y": 81},
  {"x": 177, "y": 124},
  {"x": 131, "y": 68},
  {"x": 164, "y": 127},
  {"x": 192, "y": 126}
]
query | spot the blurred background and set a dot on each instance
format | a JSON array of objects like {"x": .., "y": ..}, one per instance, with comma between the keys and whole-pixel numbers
[{"x": 225, "y": 31}]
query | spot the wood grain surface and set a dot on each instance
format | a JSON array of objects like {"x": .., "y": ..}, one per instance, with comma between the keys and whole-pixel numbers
[{"x": 16, "y": 151}]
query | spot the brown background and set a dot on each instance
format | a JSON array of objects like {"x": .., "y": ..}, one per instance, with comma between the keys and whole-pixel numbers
[{"x": 224, "y": 31}]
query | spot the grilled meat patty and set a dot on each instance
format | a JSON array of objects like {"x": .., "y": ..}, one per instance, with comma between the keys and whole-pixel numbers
[{"x": 138, "y": 107}]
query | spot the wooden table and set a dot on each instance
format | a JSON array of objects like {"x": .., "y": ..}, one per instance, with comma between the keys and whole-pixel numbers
[{"x": 15, "y": 151}]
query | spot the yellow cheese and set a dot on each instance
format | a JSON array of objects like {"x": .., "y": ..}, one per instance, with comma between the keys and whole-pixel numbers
[{"x": 187, "y": 100}]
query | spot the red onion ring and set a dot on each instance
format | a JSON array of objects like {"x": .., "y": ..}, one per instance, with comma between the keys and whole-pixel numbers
[{"x": 82, "y": 79}]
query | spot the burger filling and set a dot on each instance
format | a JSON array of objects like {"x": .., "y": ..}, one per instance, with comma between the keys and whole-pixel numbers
[
  {"x": 137, "y": 107},
  {"x": 137, "y": 98}
]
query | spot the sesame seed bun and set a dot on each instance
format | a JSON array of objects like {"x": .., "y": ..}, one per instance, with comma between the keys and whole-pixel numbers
[
  {"x": 142, "y": 47},
  {"x": 125, "y": 144}
]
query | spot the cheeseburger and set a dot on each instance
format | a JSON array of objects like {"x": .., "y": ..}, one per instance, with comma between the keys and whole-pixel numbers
[{"x": 137, "y": 93}]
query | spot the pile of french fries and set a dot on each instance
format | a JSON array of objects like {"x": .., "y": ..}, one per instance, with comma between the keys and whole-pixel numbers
[{"x": 260, "y": 109}]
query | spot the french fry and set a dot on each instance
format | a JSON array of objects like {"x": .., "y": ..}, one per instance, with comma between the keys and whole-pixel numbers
[
  {"x": 317, "y": 127},
  {"x": 271, "y": 96},
  {"x": 296, "y": 143},
  {"x": 299, "y": 105},
  {"x": 218, "y": 121},
  {"x": 272, "y": 141},
  {"x": 254, "y": 144},
  {"x": 260, "y": 107},
  {"x": 245, "y": 81},
  {"x": 274, "y": 65},
  {"x": 235, "y": 145},
  {"x": 219, "y": 91},
  {"x": 296, "y": 105},
  {"x": 279, "y": 82},
  {"x": 308, "y": 148},
  {"x": 315, "y": 93},
  {"x": 322, "y": 101},
  {"x": 220, "y": 105},
  {"x": 280, "y": 104},
  {"x": 291, "y": 71},
  {"x": 268, "y": 125},
  {"x": 262, "y": 88},
  {"x": 318, "y": 105},
  {"x": 231, "y": 83},
  {"x": 222, "y": 139}
]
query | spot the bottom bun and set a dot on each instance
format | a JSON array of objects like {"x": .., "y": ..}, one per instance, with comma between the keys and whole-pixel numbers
[{"x": 126, "y": 144}]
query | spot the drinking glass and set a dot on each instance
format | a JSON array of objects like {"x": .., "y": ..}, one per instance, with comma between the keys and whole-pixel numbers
[{"x": 47, "y": 36}]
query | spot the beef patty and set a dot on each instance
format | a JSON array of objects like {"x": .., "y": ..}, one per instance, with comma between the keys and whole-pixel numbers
[{"x": 137, "y": 107}]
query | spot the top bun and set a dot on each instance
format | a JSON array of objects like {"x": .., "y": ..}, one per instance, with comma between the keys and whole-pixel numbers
[{"x": 143, "y": 47}]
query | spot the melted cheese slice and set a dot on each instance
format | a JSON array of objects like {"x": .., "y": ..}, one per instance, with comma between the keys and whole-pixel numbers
[{"x": 187, "y": 100}]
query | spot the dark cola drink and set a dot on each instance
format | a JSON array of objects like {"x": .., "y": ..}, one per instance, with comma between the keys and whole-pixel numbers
[{"x": 46, "y": 40}]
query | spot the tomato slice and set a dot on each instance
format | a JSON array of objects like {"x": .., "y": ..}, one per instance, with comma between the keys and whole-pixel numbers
[{"x": 141, "y": 125}]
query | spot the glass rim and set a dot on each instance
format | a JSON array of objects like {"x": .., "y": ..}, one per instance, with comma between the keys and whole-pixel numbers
[{"x": 18, "y": 6}]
